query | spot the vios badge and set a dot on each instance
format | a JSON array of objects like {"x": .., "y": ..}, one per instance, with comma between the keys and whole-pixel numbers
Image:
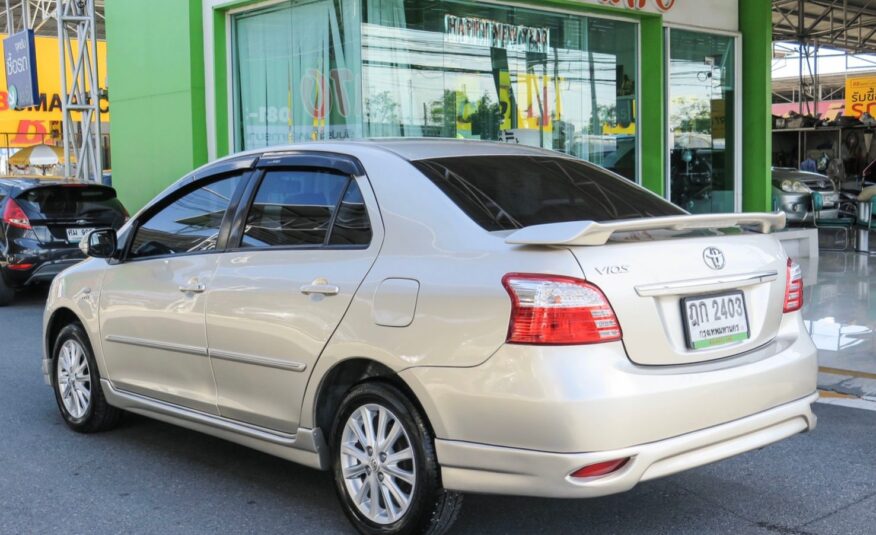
[{"x": 714, "y": 258}]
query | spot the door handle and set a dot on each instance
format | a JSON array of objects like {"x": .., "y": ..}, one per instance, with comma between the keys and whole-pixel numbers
[
  {"x": 194, "y": 288},
  {"x": 323, "y": 288}
]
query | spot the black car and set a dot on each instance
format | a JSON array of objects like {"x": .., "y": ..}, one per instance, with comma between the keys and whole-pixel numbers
[{"x": 41, "y": 224}]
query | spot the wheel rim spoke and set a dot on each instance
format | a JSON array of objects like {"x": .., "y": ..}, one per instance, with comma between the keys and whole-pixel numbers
[
  {"x": 396, "y": 472},
  {"x": 358, "y": 454},
  {"x": 399, "y": 456},
  {"x": 387, "y": 502},
  {"x": 354, "y": 472},
  {"x": 373, "y": 494},
  {"x": 394, "y": 433},
  {"x": 396, "y": 492}
]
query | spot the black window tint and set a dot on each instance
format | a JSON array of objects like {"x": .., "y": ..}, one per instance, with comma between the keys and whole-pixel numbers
[
  {"x": 511, "y": 192},
  {"x": 189, "y": 224},
  {"x": 293, "y": 208},
  {"x": 352, "y": 226},
  {"x": 71, "y": 202}
]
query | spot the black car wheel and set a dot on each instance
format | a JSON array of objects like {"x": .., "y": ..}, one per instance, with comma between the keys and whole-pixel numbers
[
  {"x": 76, "y": 382},
  {"x": 7, "y": 294},
  {"x": 385, "y": 467}
]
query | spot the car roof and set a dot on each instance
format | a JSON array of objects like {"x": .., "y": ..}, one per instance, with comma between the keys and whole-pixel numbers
[
  {"x": 427, "y": 148},
  {"x": 408, "y": 148}
]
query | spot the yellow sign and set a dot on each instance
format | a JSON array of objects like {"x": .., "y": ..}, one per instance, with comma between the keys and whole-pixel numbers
[
  {"x": 861, "y": 95},
  {"x": 42, "y": 123}
]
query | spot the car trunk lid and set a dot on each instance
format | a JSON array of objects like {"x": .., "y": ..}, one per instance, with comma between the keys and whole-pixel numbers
[{"x": 653, "y": 273}]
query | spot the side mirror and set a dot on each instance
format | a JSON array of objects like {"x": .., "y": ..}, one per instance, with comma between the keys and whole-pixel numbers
[{"x": 100, "y": 243}]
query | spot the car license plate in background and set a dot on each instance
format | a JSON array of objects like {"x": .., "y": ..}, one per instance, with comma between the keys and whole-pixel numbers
[
  {"x": 75, "y": 235},
  {"x": 715, "y": 320}
]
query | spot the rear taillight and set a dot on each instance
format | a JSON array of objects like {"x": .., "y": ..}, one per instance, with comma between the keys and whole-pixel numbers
[
  {"x": 555, "y": 310},
  {"x": 14, "y": 216},
  {"x": 794, "y": 287}
]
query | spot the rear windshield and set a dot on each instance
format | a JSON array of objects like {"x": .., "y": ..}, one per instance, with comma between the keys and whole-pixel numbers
[
  {"x": 512, "y": 192},
  {"x": 61, "y": 202}
]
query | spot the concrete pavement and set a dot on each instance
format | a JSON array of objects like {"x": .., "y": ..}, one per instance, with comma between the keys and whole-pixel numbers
[{"x": 150, "y": 477}]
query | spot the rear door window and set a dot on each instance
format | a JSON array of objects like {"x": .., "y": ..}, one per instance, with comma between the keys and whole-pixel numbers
[
  {"x": 293, "y": 208},
  {"x": 512, "y": 192},
  {"x": 68, "y": 202}
]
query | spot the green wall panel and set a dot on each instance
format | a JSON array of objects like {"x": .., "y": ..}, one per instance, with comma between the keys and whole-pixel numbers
[
  {"x": 755, "y": 23},
  {"x": 156, "y": 80},
  {"x": 653, "y": 106}
]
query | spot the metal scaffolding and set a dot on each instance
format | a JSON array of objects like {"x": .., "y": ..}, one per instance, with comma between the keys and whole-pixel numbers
[
  {"x": 818, "y": 28},
  {"x": 80, "y": 95}
]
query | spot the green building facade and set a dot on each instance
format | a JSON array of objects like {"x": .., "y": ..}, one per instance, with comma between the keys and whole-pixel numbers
[{"x": 673, "y": 94}]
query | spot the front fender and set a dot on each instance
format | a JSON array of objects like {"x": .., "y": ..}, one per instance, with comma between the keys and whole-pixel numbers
[{"x": 74, "y": 296}]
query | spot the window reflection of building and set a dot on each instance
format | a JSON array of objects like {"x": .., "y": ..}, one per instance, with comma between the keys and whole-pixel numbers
[{"x": 438, "y": 69}]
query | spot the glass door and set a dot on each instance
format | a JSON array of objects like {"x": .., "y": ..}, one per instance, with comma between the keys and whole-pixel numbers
[{"x": 702, "y": 102}]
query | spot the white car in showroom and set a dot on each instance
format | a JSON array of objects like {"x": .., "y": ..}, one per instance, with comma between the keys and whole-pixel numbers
[{"x": 426, "y": 318}]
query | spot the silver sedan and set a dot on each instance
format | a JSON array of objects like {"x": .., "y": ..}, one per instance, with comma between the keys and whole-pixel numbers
[{"x": 428, "y": 318}]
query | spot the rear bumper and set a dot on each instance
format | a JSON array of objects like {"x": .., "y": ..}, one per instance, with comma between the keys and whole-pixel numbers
[
  {"x": 570, "y": 399},
  {"x": 47, "y": 264},
  {"x": 481, "y": 468}
]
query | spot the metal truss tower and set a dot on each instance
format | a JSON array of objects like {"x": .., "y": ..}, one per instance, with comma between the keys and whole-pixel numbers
[{"x": 80, "y": 102}]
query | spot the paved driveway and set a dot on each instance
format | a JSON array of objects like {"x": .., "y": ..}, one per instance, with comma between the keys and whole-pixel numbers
[{"x": 150, "y": 477}]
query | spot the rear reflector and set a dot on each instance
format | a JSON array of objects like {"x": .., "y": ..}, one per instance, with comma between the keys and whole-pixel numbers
[
  {"x": 19, "y": 267},
  {"x": 793, "y": 287},
  {"x": 601, "y": 469},
  {"x": 555, "y": 310},
  {"x": 14, "y": 216}
]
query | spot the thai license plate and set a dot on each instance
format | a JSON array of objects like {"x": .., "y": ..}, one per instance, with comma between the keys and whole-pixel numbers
[
  {"x": 714, "y": 320},
  {"x": 75, "y": 235}
]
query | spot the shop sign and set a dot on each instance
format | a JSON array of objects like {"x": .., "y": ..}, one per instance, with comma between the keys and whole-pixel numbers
[
  {"x": 19, "y": 59},
  {"x": 661, "y": 5},
  {"x": 483, "y": 32},
  {"x": 706, "y": 14},
  {"x": 40, "y": 121},
  {"x": 861, "y": 95}
]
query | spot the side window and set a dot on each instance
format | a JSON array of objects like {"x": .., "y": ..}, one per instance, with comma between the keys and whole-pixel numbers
[
  {"x": 188, "y": 224},
  {"x": 352, "y": 226},
  {"x": 293, "y": 208}
]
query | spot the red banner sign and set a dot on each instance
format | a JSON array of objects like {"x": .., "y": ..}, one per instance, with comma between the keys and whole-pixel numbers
[{"x": 662, "y": 5}]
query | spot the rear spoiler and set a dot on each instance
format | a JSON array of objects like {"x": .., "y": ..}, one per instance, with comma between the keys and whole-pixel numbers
[{"x": 593, "y": 233}]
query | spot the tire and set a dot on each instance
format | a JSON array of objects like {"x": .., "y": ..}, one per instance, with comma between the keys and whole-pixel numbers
[
  {"x": 7, "y": 294},
  {"x": 430, "y": 508},
  {"x": 79, "y": 395}
]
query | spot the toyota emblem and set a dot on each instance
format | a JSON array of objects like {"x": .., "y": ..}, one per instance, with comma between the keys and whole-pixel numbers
[{"x": 714, "y": 258}]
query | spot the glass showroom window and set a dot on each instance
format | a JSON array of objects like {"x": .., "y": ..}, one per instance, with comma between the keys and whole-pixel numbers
[
  {"x": 336, "y": 69},
  {"x": 297, "y": 73},
  {"x": 701, "y": 128},
  {"x": 475, "y": 71}
]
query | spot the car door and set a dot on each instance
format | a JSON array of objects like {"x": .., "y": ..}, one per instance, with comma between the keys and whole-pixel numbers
[
  {"x": 306, "y": 242},
  {"x": 152, "y": 303}
]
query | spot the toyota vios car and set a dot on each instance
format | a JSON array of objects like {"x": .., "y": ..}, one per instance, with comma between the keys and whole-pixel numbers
[
  {"x": 428, "y": 318},
  {"x": 41, "y": 224}
]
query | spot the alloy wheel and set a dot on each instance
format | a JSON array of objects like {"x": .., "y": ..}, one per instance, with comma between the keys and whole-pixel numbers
[
  {"x": 74, "y": 379},
  {"x": 378, "y": 465}
]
